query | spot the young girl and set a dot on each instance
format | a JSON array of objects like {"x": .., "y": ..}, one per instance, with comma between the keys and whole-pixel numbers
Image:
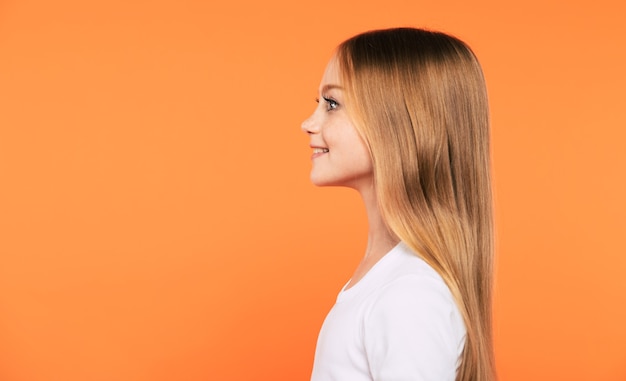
[{"x": 403, "y": 119}]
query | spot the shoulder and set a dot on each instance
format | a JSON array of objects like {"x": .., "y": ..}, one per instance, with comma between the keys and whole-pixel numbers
[
  {"x": 414, "y": 299},
  {"x": 412, "y": 328},
  {"x": 412, "y": 290},
  {"x": 409, "y": 279}
]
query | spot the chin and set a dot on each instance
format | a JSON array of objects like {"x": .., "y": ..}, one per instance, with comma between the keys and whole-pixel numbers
[
  {"x": 323, "y": 181},
  {"x": 354, "y": 180},
  {"x": 332, "y": 182}
]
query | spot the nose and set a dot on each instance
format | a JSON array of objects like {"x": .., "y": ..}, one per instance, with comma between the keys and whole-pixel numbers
[{"x": 309, "y": 126}]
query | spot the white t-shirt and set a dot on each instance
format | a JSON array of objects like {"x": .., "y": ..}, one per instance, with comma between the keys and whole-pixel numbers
[{"x": 398, "y": 323}]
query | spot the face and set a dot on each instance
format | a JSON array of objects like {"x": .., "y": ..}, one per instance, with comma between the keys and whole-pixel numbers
[{"x": 340, "y": 157}]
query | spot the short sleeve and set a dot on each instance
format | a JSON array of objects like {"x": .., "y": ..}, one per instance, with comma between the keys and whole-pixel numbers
[{"x": 413, "y": 331}]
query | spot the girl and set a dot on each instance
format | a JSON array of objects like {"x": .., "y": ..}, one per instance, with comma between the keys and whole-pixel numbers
[{"x": 402, "y": 118}]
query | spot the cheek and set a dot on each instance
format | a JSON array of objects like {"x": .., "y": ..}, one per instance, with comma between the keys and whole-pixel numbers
[
  {"x": 364, "y": 159},
  {"x": 340, "y": 133},
  {"x": 361, "y": 153},
  {"x": 354, "y": 148}
]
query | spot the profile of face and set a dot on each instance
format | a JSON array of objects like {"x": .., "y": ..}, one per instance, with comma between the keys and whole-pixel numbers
[{"x": 340, "y": 157}]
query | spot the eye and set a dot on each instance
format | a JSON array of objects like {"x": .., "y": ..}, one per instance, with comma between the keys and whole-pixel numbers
[{"x": 331, "y": 104}]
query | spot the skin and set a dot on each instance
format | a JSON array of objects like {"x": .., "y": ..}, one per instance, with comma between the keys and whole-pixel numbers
[{"x": 346, "y": 162}]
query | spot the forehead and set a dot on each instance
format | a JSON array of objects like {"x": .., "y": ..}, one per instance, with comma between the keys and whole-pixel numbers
[{"x": 331, "y": 74}]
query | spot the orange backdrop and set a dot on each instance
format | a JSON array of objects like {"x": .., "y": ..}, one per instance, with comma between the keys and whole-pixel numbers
[{"x": 156, "y": 217}]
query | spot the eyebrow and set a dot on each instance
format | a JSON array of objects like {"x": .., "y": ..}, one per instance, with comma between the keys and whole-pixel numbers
[{"x": 325, "y": 88}]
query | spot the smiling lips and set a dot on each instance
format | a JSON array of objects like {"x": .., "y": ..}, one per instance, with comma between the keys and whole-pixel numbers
[{"x": 318, "y": 151}]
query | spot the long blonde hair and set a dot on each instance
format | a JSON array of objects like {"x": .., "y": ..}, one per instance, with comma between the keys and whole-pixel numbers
[{"x": 419, "y": 101}]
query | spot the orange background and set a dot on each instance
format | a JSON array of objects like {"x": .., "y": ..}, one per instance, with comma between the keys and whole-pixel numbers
[{"x": 156, "y": 217}]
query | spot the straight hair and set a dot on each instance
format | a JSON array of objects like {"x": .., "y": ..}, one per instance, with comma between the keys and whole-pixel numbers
[{"x": 419, "y": 101}]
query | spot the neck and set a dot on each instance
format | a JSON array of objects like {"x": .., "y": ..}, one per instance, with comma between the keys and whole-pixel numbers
[{"x": 379, "y": 239}]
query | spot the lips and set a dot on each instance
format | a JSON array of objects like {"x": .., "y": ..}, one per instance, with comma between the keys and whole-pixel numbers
[{"x": 318, "y": 151}]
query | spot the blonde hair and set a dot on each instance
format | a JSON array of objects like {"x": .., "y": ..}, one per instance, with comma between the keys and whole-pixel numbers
[{"x": 419, "y": 101}]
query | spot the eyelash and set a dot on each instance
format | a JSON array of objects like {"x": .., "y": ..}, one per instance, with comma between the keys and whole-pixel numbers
[{"x": 331, "y": 104}]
